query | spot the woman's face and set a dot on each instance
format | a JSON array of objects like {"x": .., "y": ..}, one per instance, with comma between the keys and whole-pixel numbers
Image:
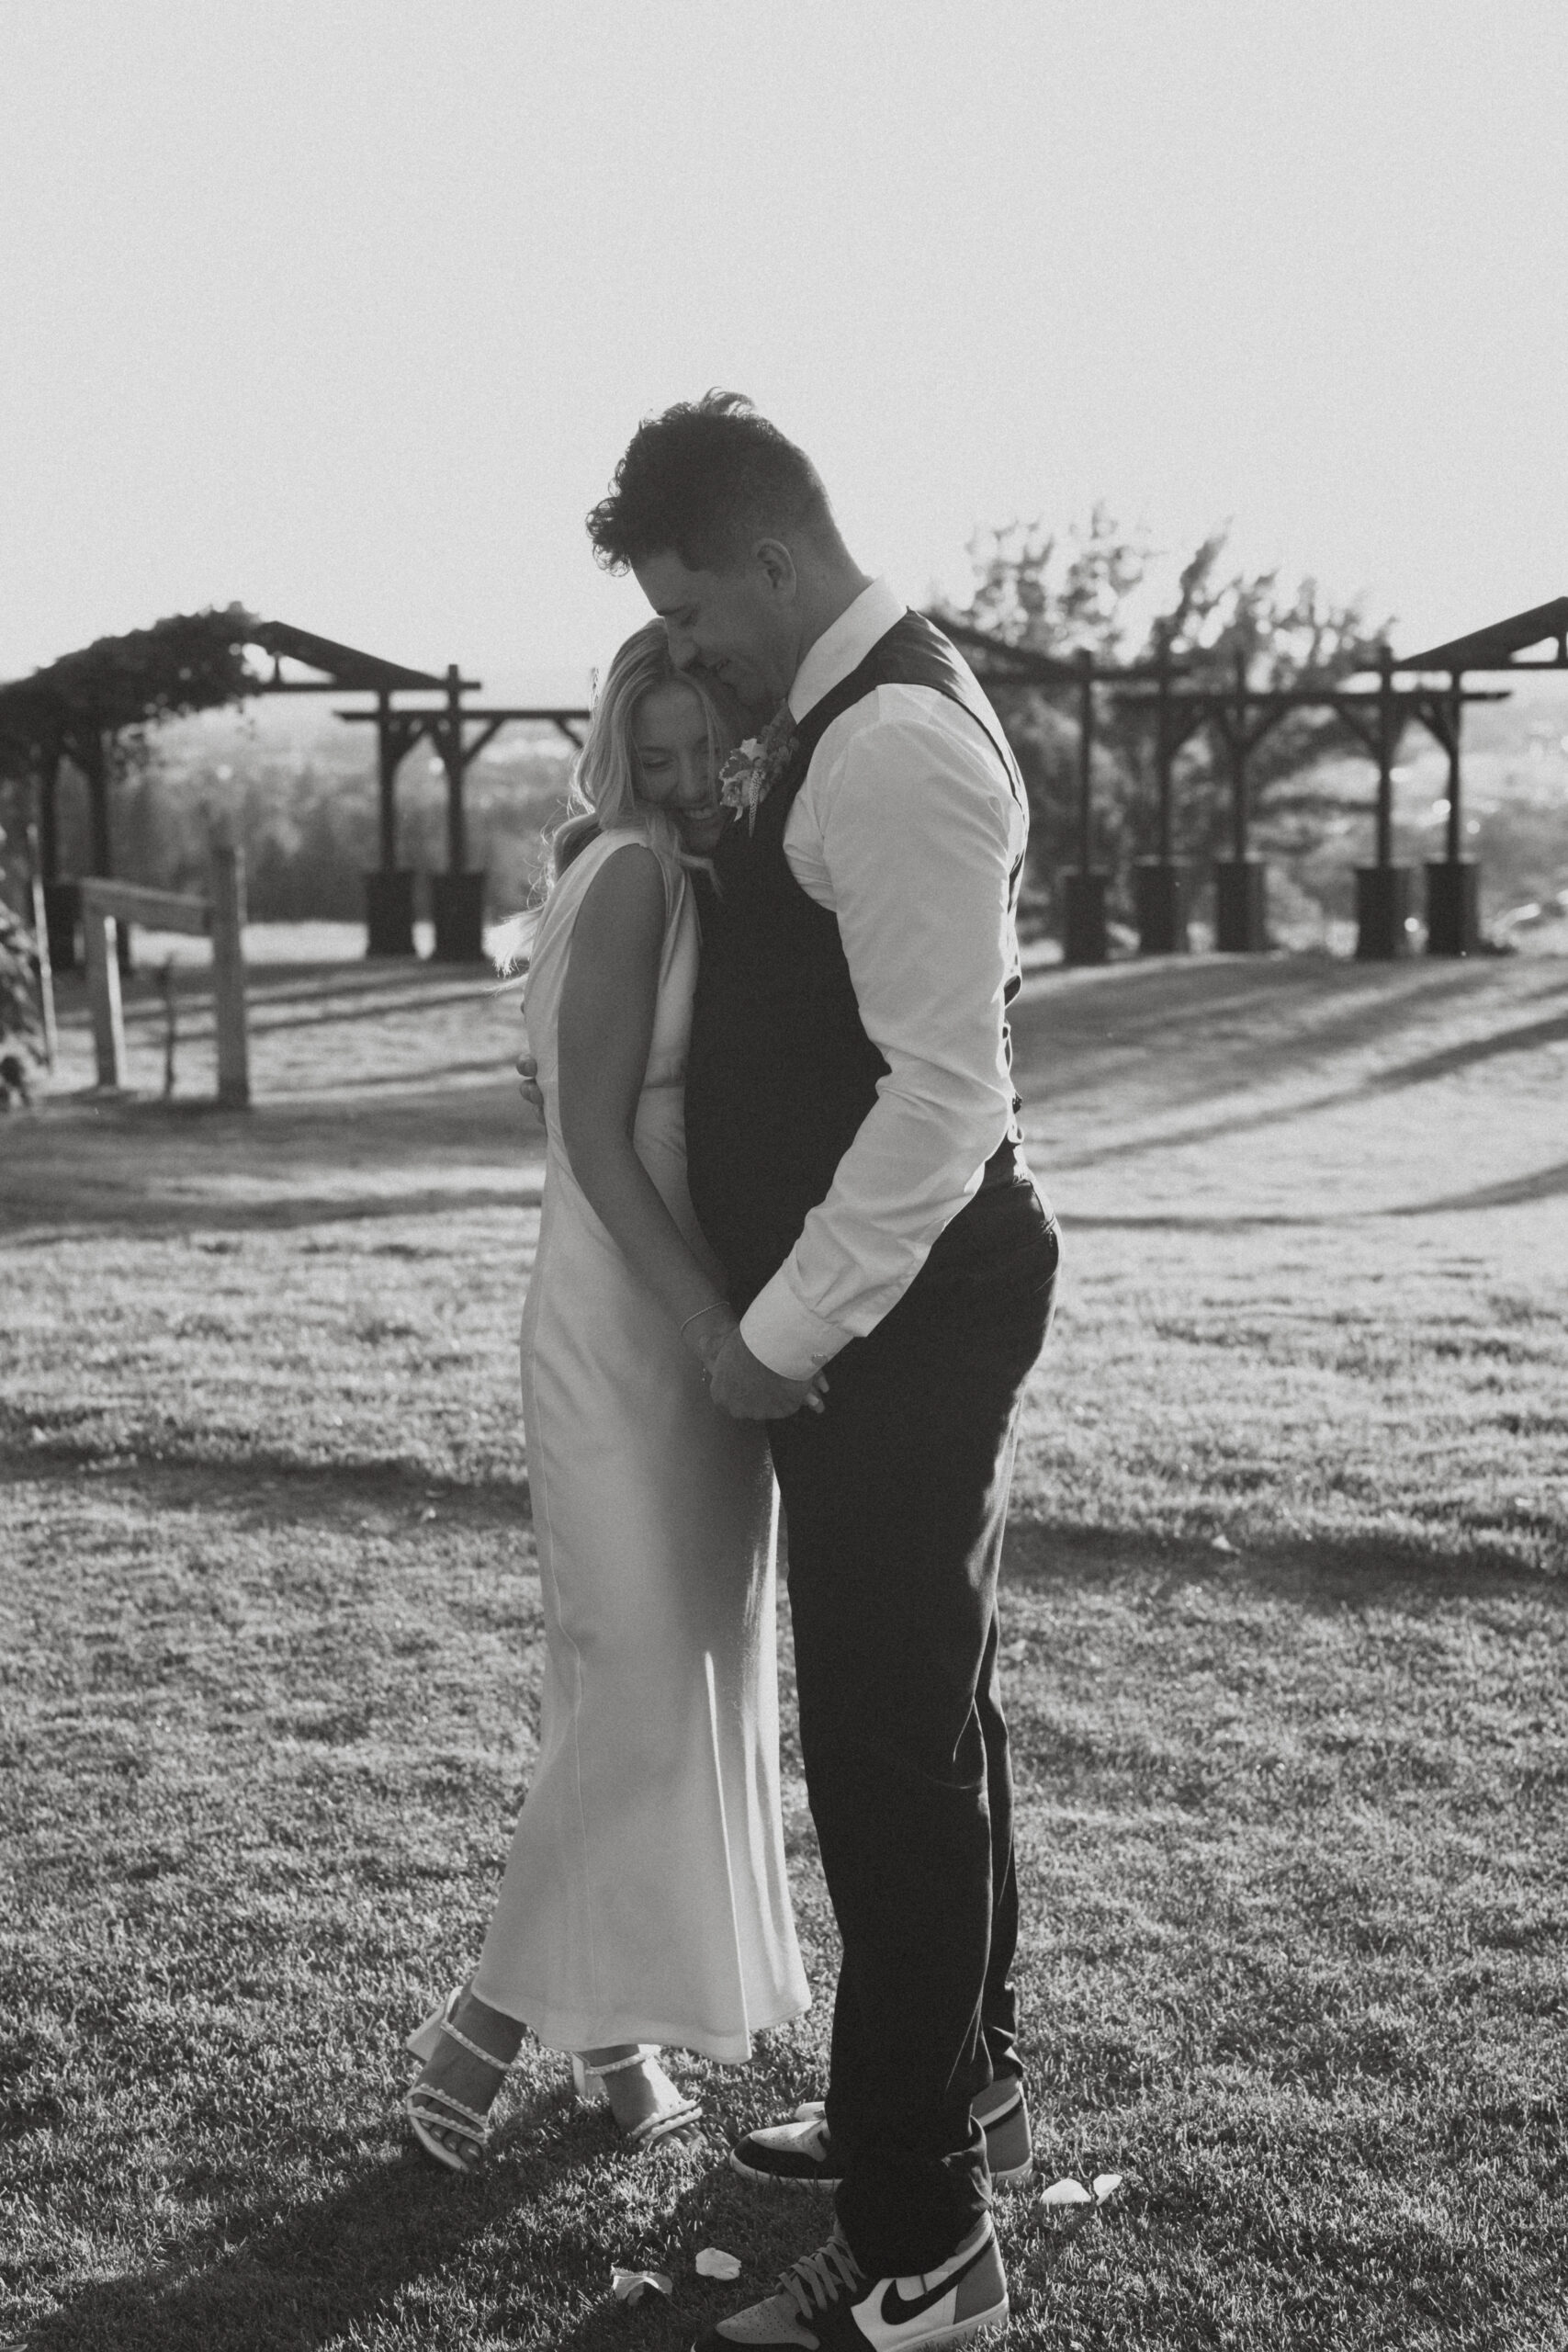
[{"x": 677, "y": 768}]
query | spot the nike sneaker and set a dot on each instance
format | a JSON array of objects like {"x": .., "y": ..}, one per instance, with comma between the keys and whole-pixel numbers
[
  {"x": 825, "y": 2302},
  {"x": 799, "y": 2154}
]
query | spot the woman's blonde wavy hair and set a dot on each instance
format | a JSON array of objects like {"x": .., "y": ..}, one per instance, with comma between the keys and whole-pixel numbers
[{"x": 603, "y": 797}]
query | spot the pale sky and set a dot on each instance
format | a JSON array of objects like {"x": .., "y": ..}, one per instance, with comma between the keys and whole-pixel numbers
[{"x": 346, "y": 308}]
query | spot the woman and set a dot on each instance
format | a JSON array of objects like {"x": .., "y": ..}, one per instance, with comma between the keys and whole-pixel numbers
[{"x": 645, "y": 1900}]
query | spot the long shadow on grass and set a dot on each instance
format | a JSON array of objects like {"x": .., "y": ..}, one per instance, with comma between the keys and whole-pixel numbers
[
  {"x": 1515, "y": 1191},
  {"x": 82, "y": 1165},
  {"x": 1280, "y": 1113},
  {"x": 280, "y": 1489},
  {"x": 1512, "y": 1192},
  {"x": 199, "y": 1025},
  {"x": 273, "y": 1486},
  {"x": 280, "y": 1215},
  {"x": 1062, "y": 1038},
  {"x": 1265, "y": 1061},
  {"x": 1327, "y": 1573},
  {"x": 120, "y": 1213},
  {"x": 396, "y": 985},
  {"x": 258, "y": 2280}
]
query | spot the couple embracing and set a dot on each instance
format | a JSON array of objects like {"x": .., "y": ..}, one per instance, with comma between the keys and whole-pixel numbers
[{"x": 787, "y": 1232}]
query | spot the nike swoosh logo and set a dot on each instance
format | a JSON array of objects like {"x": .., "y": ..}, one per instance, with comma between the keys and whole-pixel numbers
[
  {"x": 995, "y": 2114},
  {"x": 897, "y": 2313}
]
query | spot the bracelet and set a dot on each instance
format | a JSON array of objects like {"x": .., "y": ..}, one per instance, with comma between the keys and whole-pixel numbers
[{"x": 704, "y": 1310}]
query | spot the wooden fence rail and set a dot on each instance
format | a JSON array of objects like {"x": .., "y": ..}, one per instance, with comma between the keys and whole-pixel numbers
[{"x": 218, "y": 917}]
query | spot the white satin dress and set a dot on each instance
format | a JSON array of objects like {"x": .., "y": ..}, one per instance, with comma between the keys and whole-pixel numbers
[{"x": 646, "y": 1898}]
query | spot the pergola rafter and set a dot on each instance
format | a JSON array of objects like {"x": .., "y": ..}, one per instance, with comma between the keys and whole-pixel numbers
[{"x": 1499, "y": 645}]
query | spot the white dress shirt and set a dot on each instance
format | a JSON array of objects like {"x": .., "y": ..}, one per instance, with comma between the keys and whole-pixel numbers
[{"x": 907, "y": 829}]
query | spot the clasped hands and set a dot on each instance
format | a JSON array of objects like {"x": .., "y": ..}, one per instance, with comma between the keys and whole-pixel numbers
[{"x": 739, "y": 1382}]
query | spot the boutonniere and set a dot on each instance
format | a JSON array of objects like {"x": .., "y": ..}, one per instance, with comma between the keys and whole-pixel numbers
[{"x": 752, "y": 769}]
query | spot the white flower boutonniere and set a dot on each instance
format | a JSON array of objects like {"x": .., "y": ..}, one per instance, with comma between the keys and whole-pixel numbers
[{"x": 751, "y": 772}]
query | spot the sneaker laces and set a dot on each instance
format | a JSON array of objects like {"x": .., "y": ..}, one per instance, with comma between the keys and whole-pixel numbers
[{"x": 818, "y": 2279}]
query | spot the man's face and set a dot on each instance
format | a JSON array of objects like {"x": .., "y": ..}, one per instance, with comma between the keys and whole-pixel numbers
[{"x": 737, "y": 624}]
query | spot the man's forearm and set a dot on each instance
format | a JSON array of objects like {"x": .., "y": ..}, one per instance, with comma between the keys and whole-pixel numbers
[{"x": 905, "y": 1177}]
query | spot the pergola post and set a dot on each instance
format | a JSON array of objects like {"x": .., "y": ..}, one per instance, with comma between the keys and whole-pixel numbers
[
  {"x": 48, "y": 773},
  {"x": 1083, "y": 892},
  {"x": 386, "y": 784},
  {"x": 389, "y": 891},
  {"x": 1158, "y": 882},
  {"x": 62, "y": 901},
  {"x": 227, "y": 917},
  {"x": 1453, "y": 891},
  {"x": 93, "y": 750},
  {"x": 457, "y": 896},
  {"x": 1240, "y": 883},
  {"x": 88, "y": 747},
  {"x": 1382, "y": 889}
]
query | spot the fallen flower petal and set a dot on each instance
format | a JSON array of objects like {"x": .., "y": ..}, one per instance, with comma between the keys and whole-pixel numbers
[
  {"x": 1106, "y": 2184},
  {"x": 628, "y": 2286},
  {"x": 714, "y": 2262},
  {"x": 1066, "y": 2192}
]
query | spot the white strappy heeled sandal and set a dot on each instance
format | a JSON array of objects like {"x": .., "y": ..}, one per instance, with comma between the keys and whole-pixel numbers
[
  {"x": 430, "y": 2111},
  {"x": 589, "y": 2083}
]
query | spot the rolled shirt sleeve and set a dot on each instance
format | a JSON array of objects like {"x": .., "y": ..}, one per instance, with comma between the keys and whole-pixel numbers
[{"x": 907, "y": 828}]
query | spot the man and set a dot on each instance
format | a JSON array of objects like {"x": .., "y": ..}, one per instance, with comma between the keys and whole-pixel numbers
[{"x": 852, "y": 1157}]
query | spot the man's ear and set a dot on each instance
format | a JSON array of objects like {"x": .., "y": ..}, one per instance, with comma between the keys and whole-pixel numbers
[{"x": 778, "y": 568}]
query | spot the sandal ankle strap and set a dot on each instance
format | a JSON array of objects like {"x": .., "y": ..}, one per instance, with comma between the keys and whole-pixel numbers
[
  {"x": 640, "y": 2057},
  {"x": 502, "y": 2065}
]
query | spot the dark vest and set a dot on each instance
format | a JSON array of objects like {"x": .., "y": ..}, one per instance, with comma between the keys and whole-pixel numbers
[{"x": 781, "y": 1073}]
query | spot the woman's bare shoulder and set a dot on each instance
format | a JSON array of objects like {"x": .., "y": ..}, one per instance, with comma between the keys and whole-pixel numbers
[
  {"x": 625, "y": 871},
  {"x": 622, "y": 908}
]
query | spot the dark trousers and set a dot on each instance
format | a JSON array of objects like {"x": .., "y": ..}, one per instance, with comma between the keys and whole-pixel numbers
[{"x": 896, "y": 1497}]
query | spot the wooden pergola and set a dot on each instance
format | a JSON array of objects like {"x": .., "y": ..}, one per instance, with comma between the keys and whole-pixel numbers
[
  {"x": 457, "y": 895},
  {"x": 457, "y": 731},
  {"x": 60, "y": 728},
  {"x": 1239, "y": 718}
]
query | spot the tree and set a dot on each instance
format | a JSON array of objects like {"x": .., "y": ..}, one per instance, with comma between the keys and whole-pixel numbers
[
  {"x": 1085, "y": 590},
  {"x": 184, "y": 663}
]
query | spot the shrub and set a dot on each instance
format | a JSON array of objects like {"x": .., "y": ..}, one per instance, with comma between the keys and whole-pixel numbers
[{"x": 21, "y": 1035}]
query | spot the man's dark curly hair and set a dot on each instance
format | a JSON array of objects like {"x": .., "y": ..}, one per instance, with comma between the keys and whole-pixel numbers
[{"x": 702, "y": 481}]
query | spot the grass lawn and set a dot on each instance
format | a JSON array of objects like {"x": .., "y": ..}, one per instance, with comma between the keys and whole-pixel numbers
[{"x": 1284, "y": 1620}]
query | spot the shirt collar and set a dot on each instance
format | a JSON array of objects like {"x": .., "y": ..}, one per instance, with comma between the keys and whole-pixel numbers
[{"x": 843, "y": 645}]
